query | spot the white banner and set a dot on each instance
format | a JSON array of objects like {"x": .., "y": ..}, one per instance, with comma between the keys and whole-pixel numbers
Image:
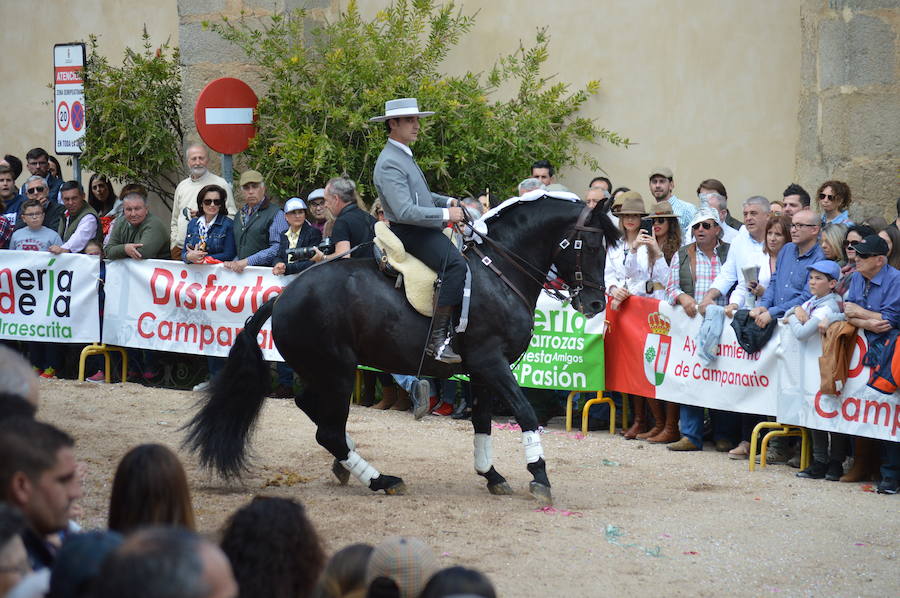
[
  {"x": 49, "y": 298},
  {"x": 172, "y": 306},
  {"x": 857, "y": 409}
]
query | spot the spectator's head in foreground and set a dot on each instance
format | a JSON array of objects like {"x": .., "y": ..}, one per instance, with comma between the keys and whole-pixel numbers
[
  {"x": 345, "y": 573},
  {"x": 458, "y": 581},
  {"x": 78, "y": 563},
  {"x": 399, "y": 567},
  {"x": 13, "y": 558},
  {"x": 18, "y": 385}
]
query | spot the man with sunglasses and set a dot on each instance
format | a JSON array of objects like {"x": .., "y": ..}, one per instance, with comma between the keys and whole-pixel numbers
[
  {"x": 788, "y": 286},
  {"x": 37, "y": 160},
  {"x": 37, "y": 187},
  {"x": 199, "y": 177},
  {"x": 873, "y": 304}
]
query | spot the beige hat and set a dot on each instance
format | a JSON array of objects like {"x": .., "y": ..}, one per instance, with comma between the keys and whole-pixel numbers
[
  {"x": 663, "y": 209},
  {"x": 250, "y": 176},
  {"x": 409, "y": 562},
  {"x": 632, "y": 204},
  {"x": 662, "y": 171},
  {"x": 400, "y": 108}
]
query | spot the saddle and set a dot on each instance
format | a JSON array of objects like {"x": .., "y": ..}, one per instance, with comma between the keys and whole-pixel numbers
[{"x": 415, "y": 277}]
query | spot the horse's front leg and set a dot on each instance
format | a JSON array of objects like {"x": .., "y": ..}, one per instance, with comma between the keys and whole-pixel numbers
[
  {"x": 484, "y": 450},
  {"x": 502, "y": 383}
]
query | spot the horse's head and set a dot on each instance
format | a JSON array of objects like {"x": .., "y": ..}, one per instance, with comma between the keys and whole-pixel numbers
[{"x": 581, "y": 259}]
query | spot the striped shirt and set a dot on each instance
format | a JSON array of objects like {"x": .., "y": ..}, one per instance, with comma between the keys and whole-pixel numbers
[{"x": 707, "y": 269}]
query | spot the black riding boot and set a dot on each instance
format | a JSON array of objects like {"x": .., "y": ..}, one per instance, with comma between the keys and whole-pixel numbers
[{"x": 441, "y": 335}]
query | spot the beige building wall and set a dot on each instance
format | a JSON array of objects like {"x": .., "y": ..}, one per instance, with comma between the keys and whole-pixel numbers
[
  {"x": 27, "y": 65},
  {"x": 709, "y": 88}
]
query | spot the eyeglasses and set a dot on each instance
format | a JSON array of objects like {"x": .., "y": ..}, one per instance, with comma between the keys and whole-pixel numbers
[
  {"x": 800, "y": 225},
  {"x": 212, "y": 202},
  {"x": 706, "y": 225},
  {"x": 33, "y": 190},
  {"x": 316, "y": 203},
  {"x": 660, "y": 220},
  {"x": 850, "y": 244},
  {"x": 865, "y": 256},
  {"x": 825, "y": 196},
  {"x": 297, "y": 213},
  {"x": 32, "y": 214},
  {"x": 38, "y": 162}
]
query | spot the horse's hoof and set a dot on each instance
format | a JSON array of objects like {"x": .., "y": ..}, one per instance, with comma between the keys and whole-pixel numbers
[
  {"x": 541, "y": 493},
  {"x": 340, "y": 472},
  {"x": 398, "y": 489},
  {"x": 501, "y": 489}
]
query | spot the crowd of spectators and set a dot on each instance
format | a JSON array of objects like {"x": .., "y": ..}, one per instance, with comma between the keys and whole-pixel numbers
[
  {"x": 151, "y": 547},
  {"x": 697, "y": 256}
]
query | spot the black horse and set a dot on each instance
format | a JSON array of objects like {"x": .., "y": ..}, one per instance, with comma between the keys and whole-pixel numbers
[{"x": 352, "y": 314}]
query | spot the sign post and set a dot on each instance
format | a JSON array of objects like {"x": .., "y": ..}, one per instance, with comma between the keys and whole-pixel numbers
[
  {"x": 69, "y": 107},
  {"x": 224, "y": 116}
]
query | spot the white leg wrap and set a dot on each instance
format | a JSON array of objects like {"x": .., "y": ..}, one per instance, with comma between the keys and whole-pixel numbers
[
  {"x": 360, "y": 468},
  {"x": 484, "y": 453},
  {"x": 532, "y": 443},
  {"x": 350, "y": 444}
]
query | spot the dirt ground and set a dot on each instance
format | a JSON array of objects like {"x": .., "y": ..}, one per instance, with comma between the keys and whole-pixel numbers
[{"x": 629, "y": 518}]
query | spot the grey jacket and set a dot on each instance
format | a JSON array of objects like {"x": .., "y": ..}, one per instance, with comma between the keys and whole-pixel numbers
[{"x": 404, "y": 193}]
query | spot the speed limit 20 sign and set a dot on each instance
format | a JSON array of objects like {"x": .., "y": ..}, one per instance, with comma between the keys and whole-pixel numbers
[{"x": 68, "y": 86}]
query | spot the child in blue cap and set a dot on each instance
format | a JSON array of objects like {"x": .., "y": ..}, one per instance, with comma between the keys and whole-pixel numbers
[{"x": 806, "y": 319}]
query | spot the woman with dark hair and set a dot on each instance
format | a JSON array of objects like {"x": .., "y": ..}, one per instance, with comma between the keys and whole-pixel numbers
[
  {"x": 54, "y": 167},
  {"x": 834, "y": 199},
  {"x": 150, "y": 488},
  {"x": 891, "y": 236},
  {"x": 210, "y": 236},
  {"x": 101, "y": 195},
  {"x": 273, "y": 548},
  {"x": 344, "y": 575},
  {"x": 458, "y": 581}
]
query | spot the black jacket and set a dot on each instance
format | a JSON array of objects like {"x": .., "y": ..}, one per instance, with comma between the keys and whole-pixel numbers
[{"x": 309, "y": 236}]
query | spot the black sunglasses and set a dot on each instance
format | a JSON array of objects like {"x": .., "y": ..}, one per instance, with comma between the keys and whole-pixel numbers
[
  {"x": 35, "y": 189},
  {"x": 660, "y": 220},
  {"x": 706, "y": 225},
  {"x": 825, "y": 196},
  {"x": 210, "y": 202}
]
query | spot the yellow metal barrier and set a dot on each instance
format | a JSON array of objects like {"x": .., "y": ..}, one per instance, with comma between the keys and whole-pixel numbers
[
  {"x": 105, "y": 350},
  {"x": 585, "y": 411},
  {"x": 778, "y": 430}
]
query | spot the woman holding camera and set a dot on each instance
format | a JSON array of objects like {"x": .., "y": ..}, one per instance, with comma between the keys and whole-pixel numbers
[
  {"x": 300, "y": 233},
  {"x": 210, "y": 236}
]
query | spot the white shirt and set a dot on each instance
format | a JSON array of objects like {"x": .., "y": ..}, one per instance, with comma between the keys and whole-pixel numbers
[
  {"x": 631, "y": 270},
  {"x": 404, "y": 148},
  {"x": 186, "y": 197},
  {"x": 728, "y": 233},
  {"x": 745, "y": 251}
]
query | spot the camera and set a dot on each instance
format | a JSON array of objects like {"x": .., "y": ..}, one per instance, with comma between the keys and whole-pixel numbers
[{"x": 305, "y": 253}]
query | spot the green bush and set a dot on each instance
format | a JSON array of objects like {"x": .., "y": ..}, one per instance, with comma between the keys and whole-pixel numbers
[
  {"x": 324, "y": 81},
  {"x": 133, "y": 128}
]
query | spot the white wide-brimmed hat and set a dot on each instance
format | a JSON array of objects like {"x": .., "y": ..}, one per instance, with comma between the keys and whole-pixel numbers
[{"x": 400, "y": 108}]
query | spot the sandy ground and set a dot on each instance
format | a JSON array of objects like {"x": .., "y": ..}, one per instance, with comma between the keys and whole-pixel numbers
[{"x": 629, "y": 517}]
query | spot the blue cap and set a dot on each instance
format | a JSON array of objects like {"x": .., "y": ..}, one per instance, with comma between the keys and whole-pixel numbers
[{"x": 828, "y": 268}]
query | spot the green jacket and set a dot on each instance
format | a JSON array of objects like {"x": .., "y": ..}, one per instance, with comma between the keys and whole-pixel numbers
[
  {"x": 252, "y": 236},
  {"x": 151, "y": 232}
]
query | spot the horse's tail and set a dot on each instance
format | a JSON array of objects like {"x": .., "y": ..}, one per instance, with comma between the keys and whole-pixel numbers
[{"x": 221, "y": 428}]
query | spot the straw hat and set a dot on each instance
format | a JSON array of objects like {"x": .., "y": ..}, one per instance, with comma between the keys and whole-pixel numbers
[
  {"x": 663, "y": 209},
  {"x": 400, "y": 108},
  {"x": 632, "y": 204}
]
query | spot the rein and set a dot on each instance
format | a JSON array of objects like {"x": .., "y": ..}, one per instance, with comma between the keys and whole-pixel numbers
[{"x": 573, "y": 239}]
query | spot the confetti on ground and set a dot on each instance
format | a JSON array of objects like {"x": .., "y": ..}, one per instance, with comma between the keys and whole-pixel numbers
[
  {"x": 691, "y": 552},
  {"x": 868, "y": 487},
  {"x": 552, "y": 511},
  {"x": 609, "y": 462},
  {"x": 860, "y": 544},
  {"x": 665, "y": 536},
  {"x": 613, "y": 534},
  {"x": 285, "y": 478}
]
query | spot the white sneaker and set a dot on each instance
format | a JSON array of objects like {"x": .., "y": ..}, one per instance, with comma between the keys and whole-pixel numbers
[{"x": 201, "y": 387}]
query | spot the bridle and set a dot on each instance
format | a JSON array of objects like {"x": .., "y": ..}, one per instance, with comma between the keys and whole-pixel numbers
[{"x": 572, "y": 239}]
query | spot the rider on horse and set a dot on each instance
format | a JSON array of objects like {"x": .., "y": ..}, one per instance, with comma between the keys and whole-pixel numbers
[{"x": 417, "y": 216}]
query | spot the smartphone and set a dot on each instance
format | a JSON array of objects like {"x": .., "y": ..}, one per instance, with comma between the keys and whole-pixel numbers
[{"x": 647, "y": 226}]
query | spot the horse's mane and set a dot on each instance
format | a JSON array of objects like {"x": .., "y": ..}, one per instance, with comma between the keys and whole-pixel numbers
[{"x": 611, "y": 233}]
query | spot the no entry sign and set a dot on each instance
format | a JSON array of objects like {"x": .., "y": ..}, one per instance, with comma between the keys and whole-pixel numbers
[
  {"x": 68, "y": 85},
  {"x": 224, "y": 115}
]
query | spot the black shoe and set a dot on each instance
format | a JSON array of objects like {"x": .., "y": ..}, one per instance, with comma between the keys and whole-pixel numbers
[
  {"x": 889, "y": 486},
  {"x": 440, "y": 344},
  {"x": 461, "y": 411},
  {"x": 816, "y": 471},
  {"x": 835, "y": 471}
]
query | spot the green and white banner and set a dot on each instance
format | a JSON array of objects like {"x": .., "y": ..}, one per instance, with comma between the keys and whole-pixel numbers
[
  {"x": 49, "y": 298},
  {"x": 566, "y": 350}
]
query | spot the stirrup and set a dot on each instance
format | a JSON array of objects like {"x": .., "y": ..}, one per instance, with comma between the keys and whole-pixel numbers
[{"x": 444, "y": 352}]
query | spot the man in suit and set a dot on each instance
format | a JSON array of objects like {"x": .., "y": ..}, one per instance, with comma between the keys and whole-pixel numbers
[{"x": 417, "y": 216}]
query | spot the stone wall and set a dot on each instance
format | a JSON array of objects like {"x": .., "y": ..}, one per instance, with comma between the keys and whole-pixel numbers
[{"x": 850, "y": 101}]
